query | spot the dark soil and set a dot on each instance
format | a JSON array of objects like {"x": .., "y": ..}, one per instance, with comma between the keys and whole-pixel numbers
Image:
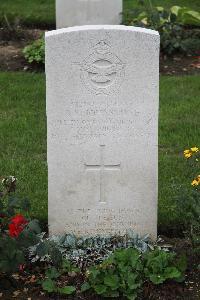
[
  {"x": 12, "y": 43},
  {"x": 180, "y": 65},
  {"x": 25, "y": 285}
]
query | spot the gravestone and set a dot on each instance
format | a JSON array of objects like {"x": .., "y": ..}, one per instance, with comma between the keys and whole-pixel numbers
[
  {"x": 102, "y": 119},
  {"x": 87, "y": 12}
]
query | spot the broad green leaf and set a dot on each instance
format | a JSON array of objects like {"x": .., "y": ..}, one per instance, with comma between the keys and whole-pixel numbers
[
  {"x": 121, "y": 255},
  {"x": 175, "y": 9},
  {"x": 52, "y": 273},
  {"x": 70, "y": 241},
  {"x": 67, "y": 290},
  {"x": 160, "y": 8},
  {"x": 111, "y": 281},
  {"x": 56, "y": 256},
  {"x": 123, "y": 268},
  {"x": 172, "y": 273},
  {"x": 43, "y": 248},
  {"x": 85, "y": 287},
  {"x": 66, "y": 265},
  {"x": 156, "y": 279},
  {"x": 186, "y": 16},
  {"x": 141, "y": 16},
  {"x": 49, "y": 286},
  {"x": 94, "y": 272},
  {"x": 131, "y": 296},
  {"x": 27, "y": 238},
  {"x": 100, "y": 289},
  {"x": 34, "y": 226},
  {"x": 191, "y": 18},
  {"x": 132, "y": 281}
]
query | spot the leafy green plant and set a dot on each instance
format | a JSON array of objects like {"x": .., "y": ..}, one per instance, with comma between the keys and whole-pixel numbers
[
  {"x": 47, "y": 251},
  {"x": 176, "y": 39},
  {"x": 125, "y": 271},
  {"x": 171, "y": 24},
  {"x": 186, "y": 16},
  {"x": 50, "y": 285},
  {"x": 119, "y": 275},
  {"x": 13, "y": 251},
  {"x": 160, "y": 266},
  {"x": 158, "y": 16},
  {"x": 35, "y": 52},
  {"x": 17, "y": 233},
  {"x": 86, "y": 251}
]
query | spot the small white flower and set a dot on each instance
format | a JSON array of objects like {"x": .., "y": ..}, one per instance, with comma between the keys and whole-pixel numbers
[{"x": 13, "y": 178}]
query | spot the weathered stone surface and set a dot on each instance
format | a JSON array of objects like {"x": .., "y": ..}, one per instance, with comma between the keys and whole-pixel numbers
[
  {"x": 102, "y": 112},
  {"x": 87, "y": 12}
]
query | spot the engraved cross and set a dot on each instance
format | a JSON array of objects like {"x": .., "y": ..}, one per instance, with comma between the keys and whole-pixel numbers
[{"x": 102, "y": 168}]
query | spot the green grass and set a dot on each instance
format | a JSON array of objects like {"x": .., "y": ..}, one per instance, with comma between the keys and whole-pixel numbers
[
  {"x": 194, "y": 4},
  {"x": 42, "y": 12},
  {"x": 28, "y": 12},
  {"x": 178, "y": 129},
  {"x": 23, "y": 137}
]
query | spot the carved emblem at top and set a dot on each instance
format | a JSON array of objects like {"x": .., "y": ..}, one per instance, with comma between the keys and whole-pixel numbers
[{"x": 102, "y": 71}]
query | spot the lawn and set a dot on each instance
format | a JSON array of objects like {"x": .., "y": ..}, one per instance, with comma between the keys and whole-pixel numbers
[
  {"x": 194, "y": 4},
  {"x": 42, "y": 12},
  {"x": 28, "y": 12},
  {"x": 23, "y": 136}
]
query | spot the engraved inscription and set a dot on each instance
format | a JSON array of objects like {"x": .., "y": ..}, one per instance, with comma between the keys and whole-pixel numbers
[
  {"x": 106, "y": 220},
  {"x": 102, "y": 71},
  {"x": 91, "y": 120},
  {"x": 102, "y": 168}
]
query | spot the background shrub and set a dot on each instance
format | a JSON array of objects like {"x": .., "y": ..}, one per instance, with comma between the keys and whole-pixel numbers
[{"x": 35, "y": 52}]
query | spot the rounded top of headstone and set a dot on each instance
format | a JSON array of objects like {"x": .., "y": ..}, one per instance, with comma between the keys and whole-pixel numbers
[{"x": 100, "y": 27}]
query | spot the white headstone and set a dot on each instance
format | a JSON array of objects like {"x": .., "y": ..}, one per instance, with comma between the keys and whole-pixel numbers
[
  {"x": 88, "y": 12},
  {"x": 102, "y": 112}
]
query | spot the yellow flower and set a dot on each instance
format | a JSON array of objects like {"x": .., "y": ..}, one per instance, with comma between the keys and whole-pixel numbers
[
  {"x": 198, "y": 178},
  {"x": 188, "y": 155},
  {"x": 186, "y": 151},
  {"x": 195, "y": 182},
  {"x": 194, "y": 149}
]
